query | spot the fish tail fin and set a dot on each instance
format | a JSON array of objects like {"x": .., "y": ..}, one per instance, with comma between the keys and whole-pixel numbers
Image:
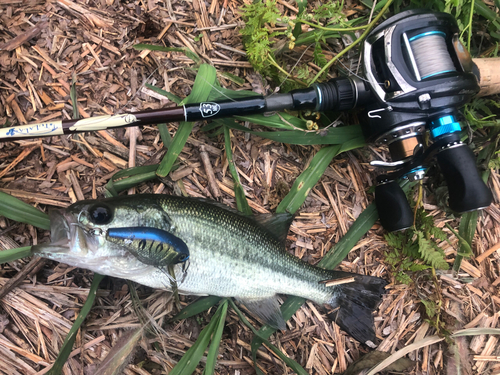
[{"x": 354, "y": 303}]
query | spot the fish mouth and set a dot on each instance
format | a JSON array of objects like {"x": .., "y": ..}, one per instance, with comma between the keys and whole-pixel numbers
[{"x": 64, "y": 231}]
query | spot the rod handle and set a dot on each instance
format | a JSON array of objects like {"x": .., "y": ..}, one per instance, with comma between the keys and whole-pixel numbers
[{"x": 489, "y": 75}]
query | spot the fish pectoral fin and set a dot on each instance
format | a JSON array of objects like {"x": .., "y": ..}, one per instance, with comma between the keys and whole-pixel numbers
[{"x": 267, "y": 309}]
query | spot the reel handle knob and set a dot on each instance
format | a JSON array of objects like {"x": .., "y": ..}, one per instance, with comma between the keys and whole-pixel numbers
[
  {"x": 467, "y": 191},
  {"x": 393, "y": 208}
]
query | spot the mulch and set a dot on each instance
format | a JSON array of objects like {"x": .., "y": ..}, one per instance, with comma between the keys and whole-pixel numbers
[{"x": 48, "y": 46}]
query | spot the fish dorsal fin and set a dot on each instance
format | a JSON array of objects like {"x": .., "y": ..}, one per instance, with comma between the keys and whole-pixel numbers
[
  {"x": 267, "y": 309},
  {"x": 277, "y": 225}
]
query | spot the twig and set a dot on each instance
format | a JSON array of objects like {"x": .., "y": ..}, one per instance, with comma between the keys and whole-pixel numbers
[
  {"x": 21, "y": 275},
  {"x": 212, "y": 181}
]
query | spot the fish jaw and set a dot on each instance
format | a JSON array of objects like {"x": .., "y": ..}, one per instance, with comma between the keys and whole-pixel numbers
[{"x": 78, "y": 246}]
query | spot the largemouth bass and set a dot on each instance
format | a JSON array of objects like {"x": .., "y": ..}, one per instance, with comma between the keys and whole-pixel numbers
[{"x": 230, "y": 255}]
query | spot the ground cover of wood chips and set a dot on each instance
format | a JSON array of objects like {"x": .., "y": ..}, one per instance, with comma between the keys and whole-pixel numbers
[{"x": 46, "y": 47}]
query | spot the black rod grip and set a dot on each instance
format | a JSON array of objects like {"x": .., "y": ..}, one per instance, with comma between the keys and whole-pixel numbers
[
  {"x": 466, "y": 189},
  {"x": 393, "y": 208}
]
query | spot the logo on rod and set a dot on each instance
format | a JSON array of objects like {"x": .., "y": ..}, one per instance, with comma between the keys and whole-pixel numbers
[{"x": 209, "y": 109}]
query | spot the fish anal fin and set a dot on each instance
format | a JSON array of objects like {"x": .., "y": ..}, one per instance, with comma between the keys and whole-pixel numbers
[{"x": 267, "y": 309}]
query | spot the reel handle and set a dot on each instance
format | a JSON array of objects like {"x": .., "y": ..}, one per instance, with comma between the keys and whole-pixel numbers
[
  {"x": 393, "y": 208},
  {"x": 467, "y": 191}
]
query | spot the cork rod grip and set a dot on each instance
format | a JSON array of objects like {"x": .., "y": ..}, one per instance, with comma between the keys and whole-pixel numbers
[{"x": 489, "y": 70}]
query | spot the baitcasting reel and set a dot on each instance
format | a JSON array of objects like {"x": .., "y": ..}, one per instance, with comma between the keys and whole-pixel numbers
[
  {"x": 420, "y": 74},
  {"x": 417, "y": 75}
]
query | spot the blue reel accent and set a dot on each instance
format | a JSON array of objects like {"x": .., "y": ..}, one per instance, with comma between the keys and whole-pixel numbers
[
  {"x": 427, "y": 34},
  {"x": 414, "y": 170},
  {"x": 444, "y": 125}
]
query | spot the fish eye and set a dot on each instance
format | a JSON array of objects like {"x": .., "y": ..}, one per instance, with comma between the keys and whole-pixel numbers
[
  {"x": 183, "y": 257},
  {"x": 100, "y": 214}
]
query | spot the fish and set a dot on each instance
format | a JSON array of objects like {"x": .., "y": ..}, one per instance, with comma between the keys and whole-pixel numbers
[{"x": 230, "y": 255}]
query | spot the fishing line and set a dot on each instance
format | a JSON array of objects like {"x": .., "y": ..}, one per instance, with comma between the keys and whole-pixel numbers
[
  {"x": 369, "y": 22},
  {"x": 278, "y": 88},
  {"x": 431, "y": 54}
]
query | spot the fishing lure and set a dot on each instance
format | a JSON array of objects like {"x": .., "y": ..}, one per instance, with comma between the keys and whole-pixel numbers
[{"x": 152, "y": 246}]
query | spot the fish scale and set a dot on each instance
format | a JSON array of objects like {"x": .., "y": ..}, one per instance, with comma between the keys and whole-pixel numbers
[{"x": 231, "y": 255}]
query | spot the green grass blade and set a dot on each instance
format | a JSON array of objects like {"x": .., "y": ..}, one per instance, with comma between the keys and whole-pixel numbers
[
  {"x": 197, "y": 307},
  {"x": 307, "y": 179},
  {"x": 14, "y": 254},
  {"x": 128, "y": 178},
  {"x": 241, "y": 200},
  {"x": 476, "y": 332},
  {"x": 189, "y": 361},
  {"x": 70, "y": 339},
  {"x": 165, "y": 136},
  {"x": 213, "y": 351},
  {"x": 361, "y": 226},
  {"x": 466, "y": 231},
  {"x": 15, "y": 209},
  {"x": 120, "y": 354},
  {"x": 330, "y": 136},
  {"x": 482, "y": 9},
  {"x": 282, "y": 121},
  {"x": 205, "y": 80},
  {"x": 170, "y": 96},
  {"x": 74, "y": 97},
  {"x": 290, "y": 362},
  {"x": 238, "y": 80}
]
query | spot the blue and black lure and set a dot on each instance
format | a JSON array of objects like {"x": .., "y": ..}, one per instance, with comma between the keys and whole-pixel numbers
[{"x": 152, "y": 246}]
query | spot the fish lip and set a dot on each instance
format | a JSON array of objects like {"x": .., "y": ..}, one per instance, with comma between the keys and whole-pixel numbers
[
  {"x": 60, "y": 228},
  {"x": 61, "y": 232}
]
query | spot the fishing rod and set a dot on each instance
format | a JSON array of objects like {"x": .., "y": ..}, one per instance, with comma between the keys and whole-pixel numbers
[{"x": 417, "y": 76}]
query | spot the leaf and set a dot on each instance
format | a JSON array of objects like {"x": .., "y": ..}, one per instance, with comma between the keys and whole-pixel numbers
[
  {"x": 290, "y": 362},
  {"x": 402, "y": 352},
  {"x": 241, "y": 200},
  {"x": 67, "y": 346},
  {"x": 120, "y": 353},
  {"x": 350, "y": 136},
  {"x": 169, "y": 95},
  {"x": 15, "y": 209},
  {"x": 74, "y": 97},
  {"x": 307, "y": 179},
  {"x": 373, "y": 358},
  {"x": 476, "y": 332},
  {"x": 430, "y": 308},
  {"x": 466, "y": 232},
  {"x": 189, "y": 361},
  {"x": 205, "y": 80},
  {"x": 127, "y": 178},
  {"x": 15, "y": 254},
  {"x": 429, "y": 253},
  {"x": 213, "y": 352},
  {"x": 361, "y": 226},
  {"x": 165, "y": 135},
  {"x": 197, "y": 307}
]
